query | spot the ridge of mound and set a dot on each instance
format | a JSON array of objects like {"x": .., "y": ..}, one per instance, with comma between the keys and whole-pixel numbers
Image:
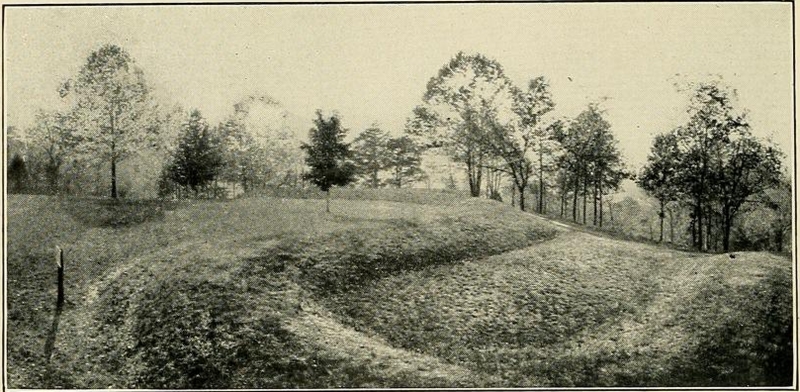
[
  {"x": 582, "y": 310},
  {"x": 223, "y": 302}
]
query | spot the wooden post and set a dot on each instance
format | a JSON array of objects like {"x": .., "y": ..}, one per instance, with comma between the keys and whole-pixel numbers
[{"x": 60, "y": 263}]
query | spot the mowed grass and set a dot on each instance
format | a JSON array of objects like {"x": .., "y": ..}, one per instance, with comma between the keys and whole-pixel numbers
[{"x": 433, "y": 291}]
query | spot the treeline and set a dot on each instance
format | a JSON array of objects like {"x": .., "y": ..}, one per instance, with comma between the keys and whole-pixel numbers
[
  {"x": 713, "y": 166},
  {"x": 710, "y": 175},
  {"x": 110, "y": 120},
  {"x": 474, "y": 113},
  {"x": 712, "y": 179}
]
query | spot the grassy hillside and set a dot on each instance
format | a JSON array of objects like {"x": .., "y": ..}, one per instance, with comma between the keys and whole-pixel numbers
[
  {"x": 428, "y": 292},
  {"x": 582, "y": 310}
]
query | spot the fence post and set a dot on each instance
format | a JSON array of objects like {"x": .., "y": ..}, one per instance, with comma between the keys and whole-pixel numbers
[{"x": 60, "y": 263}]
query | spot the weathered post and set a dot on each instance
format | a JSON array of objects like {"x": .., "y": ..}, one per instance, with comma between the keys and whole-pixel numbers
[{"x": 60, "y": 263}]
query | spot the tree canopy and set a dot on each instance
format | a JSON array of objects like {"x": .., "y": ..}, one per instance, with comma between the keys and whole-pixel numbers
[
  {"x": 328, "y": 155},
  {"x": 113, "y": 107}
]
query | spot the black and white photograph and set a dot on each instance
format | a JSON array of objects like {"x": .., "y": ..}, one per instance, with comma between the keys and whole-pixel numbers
[{"x": 344, "y": 195}]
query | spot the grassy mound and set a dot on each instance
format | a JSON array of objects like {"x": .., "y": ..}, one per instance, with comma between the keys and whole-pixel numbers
[
  {"x": 587, "y": 311},
  {"x": 274, "y": 293},
  {"x": 225, "y": 295}
]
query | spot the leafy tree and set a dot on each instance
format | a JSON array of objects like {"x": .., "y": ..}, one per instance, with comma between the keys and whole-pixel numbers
[
  {"x": 658, "y": 178},
  {"x": 748, "y": 168},
  {"x": 590, "y": 160},
  {"x": 371, "y": 155},
  {"x": 17, "y": 175},
  {"x": 779, "y": 200},
  {"x": 713, "y": 163},
  {"x": 112, "y": 103},
  {"x": 469, "y": 95},
  {"x": 238, "y": 154},
  {"x": 515, "y": 141},
  {"x": 198, "y": 158},
  {"x": 404, "y": 160},
  {"x": 53, "y": 138},
  {"x": 328, "y": 156}
]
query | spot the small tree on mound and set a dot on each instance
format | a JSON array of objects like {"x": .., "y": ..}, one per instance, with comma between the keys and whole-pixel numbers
[{"x": 327, "y": 154}]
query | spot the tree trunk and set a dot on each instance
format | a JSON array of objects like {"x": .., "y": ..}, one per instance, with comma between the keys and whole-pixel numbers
[
  {"x": 699, "y": 217},
  {"x": 584, "y": 199},
  {"x": 472, "y": 177},
  {"x": 601, "y": 203},
  {"x": 671, "y": 227},
  {"x": 727, "y": 221},
  {"x": 661, "y": 222},
  {"x": 113, "y": 174},
  {"x": 328, "y": 200},
  {"x": 113, "y": 158},
  {"x": 522, "y": 195},
  {"x": 779, "y": 240},
  {"x": 594, "y": 204},
  {"x": 541, "y": 183},
  {"x": 575, "y": 200}
]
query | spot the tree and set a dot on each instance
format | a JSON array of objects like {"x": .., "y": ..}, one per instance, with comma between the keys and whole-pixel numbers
[
  {"x": 589, "y": 162},
  {"x": 238, "y": 154},
  {"x": 658, "y": 178},
  {"x": 713, "y": 163},
  {"x": 53, "y": 140},
  {"x": 404, "y": 159},
  {"x": 17, "y": 175},
  {"x": 515, "y": 141},
  {"x": 113, "y": 106},
  {"x": 198, "y": 158},
  {"x": 748, "y": 168},
  {"x": 469, "y": 95},
  {"x": 371, "y": 155},
  {"x": 328, "y": 155}
]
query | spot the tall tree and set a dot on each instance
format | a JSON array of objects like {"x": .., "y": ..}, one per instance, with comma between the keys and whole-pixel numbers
[
  {"x": 658, "y": 178},
  {"x": 713, "y": 163},
  {"x": 53, "y": 137},
  {"x": 328, "y": 156},
  {"x": 198, "y": 158},
  {"x": 748, "y": 168},
  {"x": 371, "y": 155},
  {"x": 459, "y": 106},
  {"x": 238, "y": 154},
  {"x": 404, "y": 160},
  {"x": 113, "y": 105},
  {"x": 515, "y": 142}
]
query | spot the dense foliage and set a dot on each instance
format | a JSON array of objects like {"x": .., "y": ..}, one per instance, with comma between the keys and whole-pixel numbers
[
  {"x": 713, "y": 164},
  {"x": 328, "y": 155}
]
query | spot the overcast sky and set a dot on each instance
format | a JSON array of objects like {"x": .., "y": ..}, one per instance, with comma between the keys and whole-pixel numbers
[{"x": 371, "y": 62}]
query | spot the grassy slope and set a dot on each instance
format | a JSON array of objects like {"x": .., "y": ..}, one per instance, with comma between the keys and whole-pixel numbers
[
  {"x": 216, "y": 289},
  {"x": 273, "y": 293},
  {"x": 585, "y": 310}
]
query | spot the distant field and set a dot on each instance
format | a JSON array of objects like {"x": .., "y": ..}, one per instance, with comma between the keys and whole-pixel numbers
[{"x": 429, "y": 290}]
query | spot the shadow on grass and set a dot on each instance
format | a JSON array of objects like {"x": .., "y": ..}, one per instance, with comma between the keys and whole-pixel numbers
[
  {"x": 116, "y": 213},
  {"x": 50, "y": 343}
]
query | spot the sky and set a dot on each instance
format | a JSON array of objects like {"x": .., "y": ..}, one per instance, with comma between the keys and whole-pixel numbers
[{"x": 371, "y": 63}]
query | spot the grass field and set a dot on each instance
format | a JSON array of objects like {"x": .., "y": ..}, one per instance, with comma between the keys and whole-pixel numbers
[{"x": 427, "y": 290}]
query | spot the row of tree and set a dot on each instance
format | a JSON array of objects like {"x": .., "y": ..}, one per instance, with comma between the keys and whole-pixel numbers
[
  {"x": 712, "y": 165},
  {"x": 709, "y": 169},
  {"x": 473, "y": 112},
  {"x": 110, "y": 116}
]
